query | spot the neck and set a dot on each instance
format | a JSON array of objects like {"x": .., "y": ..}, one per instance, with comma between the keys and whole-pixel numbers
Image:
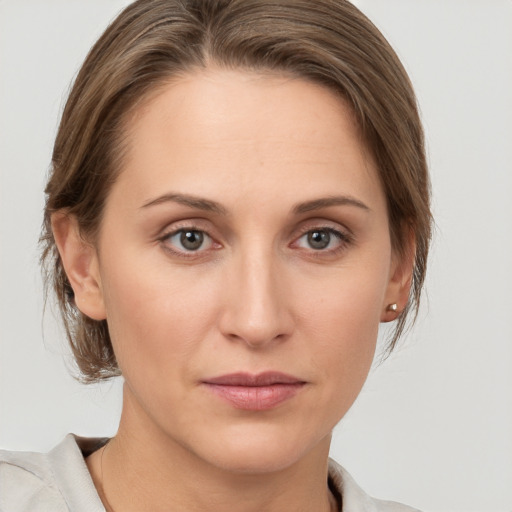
[{"x": 141, "y": 469}]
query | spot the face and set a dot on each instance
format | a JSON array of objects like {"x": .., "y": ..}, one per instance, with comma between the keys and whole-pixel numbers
[{"x": 243, "y": 265}]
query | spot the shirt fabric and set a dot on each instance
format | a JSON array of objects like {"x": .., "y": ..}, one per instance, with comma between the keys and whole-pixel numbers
[{"x": 59, "y": 481}]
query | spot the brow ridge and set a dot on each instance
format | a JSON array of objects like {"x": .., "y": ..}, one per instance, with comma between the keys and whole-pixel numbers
[
  {"x": 214, "y": 207},
  {"x": 188, "y": 200},
  {"x": 326, "y": 202}
]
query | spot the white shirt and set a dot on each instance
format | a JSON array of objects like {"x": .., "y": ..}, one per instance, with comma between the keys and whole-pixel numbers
[{"x": 59, "y": 481}]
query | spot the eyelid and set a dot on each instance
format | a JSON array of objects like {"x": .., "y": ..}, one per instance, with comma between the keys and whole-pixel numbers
[
  {"x": 187, "y": 225},
  {"x": 207, "y": 239},
  {"x": 324, "y": 224},
  {"x": 197, "y": 223},
  {"x": 340, "y": 231},
  {"x": 335, "y": 232},
  {"x": 343, "y": 234}
]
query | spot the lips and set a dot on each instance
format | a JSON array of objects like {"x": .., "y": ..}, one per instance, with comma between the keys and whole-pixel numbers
[{"x": 255, "y": 392}]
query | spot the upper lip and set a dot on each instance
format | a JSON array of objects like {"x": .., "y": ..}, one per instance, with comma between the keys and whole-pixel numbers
[{"x": 254, "y": 380}]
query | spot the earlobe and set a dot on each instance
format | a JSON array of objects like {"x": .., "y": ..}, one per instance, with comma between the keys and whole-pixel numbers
[
  {"x": 80, "y": 262},
  {"x": 399, "y": 286}
]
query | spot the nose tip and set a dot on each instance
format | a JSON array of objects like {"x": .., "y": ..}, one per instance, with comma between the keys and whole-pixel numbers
[
  {"x": 257, "y": 310},
  {"x": 255, "y": 337}
]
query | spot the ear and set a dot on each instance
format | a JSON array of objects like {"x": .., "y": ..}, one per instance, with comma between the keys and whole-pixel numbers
[
  {"x": 80, "y": 262},
  {"x": 399, "y": 286}
]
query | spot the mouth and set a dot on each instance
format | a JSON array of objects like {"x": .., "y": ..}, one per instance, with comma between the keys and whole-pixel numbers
[{"x": 259, "y": 392}]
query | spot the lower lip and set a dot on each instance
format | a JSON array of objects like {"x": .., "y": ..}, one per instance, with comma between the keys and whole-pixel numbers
[{"x": 256, "y": 398}]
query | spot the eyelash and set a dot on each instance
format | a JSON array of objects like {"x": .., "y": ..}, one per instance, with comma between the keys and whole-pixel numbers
[
  {"x": 344, "y": 239},
  {"x": 184, "y": 253}
]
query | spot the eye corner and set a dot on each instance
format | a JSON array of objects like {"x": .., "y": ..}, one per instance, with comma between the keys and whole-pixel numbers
[
  {"x": 188, "y": 242},
  {"x": 323, "y": 240}
]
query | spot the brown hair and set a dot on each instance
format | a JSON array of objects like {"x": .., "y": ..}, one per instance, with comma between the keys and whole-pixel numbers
[{"x": 327, "y": 41}]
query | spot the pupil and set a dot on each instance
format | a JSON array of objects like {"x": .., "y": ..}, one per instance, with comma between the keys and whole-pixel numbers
[
  {"x": 319, "y": 239},
  {"x": 192, "y": 240}
]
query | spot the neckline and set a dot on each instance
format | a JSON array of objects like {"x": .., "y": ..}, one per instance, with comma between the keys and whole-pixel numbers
[{"x": 89, "y": 445}]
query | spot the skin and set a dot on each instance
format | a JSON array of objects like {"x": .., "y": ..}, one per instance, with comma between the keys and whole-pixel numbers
[{"x": 256, "y": 296}]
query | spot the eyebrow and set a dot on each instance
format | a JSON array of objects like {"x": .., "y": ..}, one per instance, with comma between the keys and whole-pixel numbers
[
  {"x": 207, "y": 205},
  {"x": 195, "y": 202},
  {"x": 326, "y": 202}
]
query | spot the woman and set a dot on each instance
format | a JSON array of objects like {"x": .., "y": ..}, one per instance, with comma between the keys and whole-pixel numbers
[{"x": 238, "y": 198}]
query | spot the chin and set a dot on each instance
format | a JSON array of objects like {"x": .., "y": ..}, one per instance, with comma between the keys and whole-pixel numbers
[
  {"x": 256, "y": 461},
  {"x": 262, "y": 451}
]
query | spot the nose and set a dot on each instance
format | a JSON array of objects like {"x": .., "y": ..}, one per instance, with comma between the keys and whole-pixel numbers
[{"x": 257, "y": 308}]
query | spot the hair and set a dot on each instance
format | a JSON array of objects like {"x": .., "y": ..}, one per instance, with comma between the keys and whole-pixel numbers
[{"x": 329, "y": 42}]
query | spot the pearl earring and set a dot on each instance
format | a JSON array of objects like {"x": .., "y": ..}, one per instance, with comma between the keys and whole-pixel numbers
[{"x": 393, "y": 307}]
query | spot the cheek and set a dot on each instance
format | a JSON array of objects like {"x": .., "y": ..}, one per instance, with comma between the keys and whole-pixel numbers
[
  {"x": 345, "y": 347},
  {"x": 342, "y": 317},
  {"x": 347, "y": 303},
  {"x": 155, "y": 315}
]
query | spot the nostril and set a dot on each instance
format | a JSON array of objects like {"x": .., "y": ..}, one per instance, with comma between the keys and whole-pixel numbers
[
  {"x": 257, "y": 337},
  {"x": 256, "y": 309}
]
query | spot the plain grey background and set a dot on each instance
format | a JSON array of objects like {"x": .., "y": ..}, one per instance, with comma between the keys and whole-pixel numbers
[{"x": 433, "y": 425}]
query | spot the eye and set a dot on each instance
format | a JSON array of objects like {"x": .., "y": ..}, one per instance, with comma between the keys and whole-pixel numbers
[
  {"x": 318, "y": 239},
  {"x": 188, "y": 240},
  {"x": 321, "y": 239}
]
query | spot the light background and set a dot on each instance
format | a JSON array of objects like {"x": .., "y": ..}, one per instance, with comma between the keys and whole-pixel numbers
[{"x": 433, "y": 426}]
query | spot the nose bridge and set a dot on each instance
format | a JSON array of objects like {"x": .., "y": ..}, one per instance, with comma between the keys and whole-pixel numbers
[{"x": 257, "y": 311}]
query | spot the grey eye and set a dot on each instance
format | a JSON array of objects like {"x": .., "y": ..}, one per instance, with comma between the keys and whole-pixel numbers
[
  {"x": 191, "y": 240},
  {"x": 187, "y": 241},
  {"x": 319, "y": 239}
]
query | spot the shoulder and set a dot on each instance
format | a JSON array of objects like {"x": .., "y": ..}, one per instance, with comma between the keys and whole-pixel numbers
[
  {"x": 355, "y": 499},
  {"x": 27, "y": 483},
  {"x": 57, "y": 481}
]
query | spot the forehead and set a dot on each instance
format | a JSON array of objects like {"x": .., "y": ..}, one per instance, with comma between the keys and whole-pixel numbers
[
  {"x": 252, "y": 131},
  {"x": 245, "y": 102}
]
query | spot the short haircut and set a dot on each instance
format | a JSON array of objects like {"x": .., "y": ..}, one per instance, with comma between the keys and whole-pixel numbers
[{"x": 329, "y": 42}]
